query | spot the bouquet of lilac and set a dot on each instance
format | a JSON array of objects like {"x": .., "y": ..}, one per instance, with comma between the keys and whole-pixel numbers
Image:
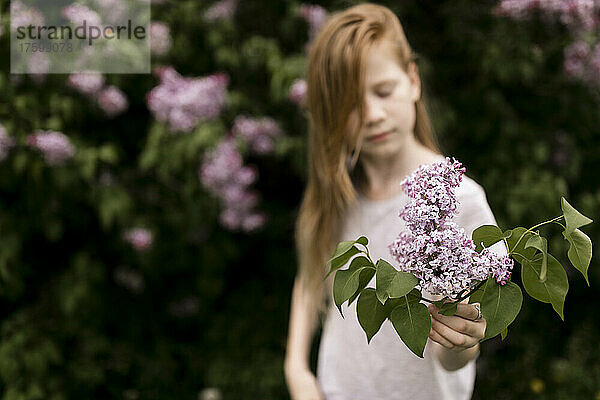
[{"x": 435, "y": 256}]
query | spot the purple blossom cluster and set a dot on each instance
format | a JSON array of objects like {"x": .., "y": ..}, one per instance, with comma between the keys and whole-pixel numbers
[
  {"x": 222, "y": 172},
  {"x": 223, "y": 9},
  {"x": 21, "y": 14},
  {"x": 315, "y": 16},
  {"x": 297, "y": 92},
  {"x": 582, "y": 61},
  {"x": 112, "y": 101},
  {"x": 77, "y": 13},
  {"x": 184, "y": 102},
  {"x": 55, "y": 147},
  {"x": 24, "y": 15},
  {"x": 434, "y": 248},
  {"x": 6, "y": 143},
  {"x": 576, "y": 14},
  {"x": 257, "y": 132},
  {"x": 160, "y": 38},
  {"x": 87, "y": 83},
  {"x": 140, "y": 238}
]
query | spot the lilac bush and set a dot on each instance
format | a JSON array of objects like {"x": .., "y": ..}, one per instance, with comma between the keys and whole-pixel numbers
[
  {"x": 257, "y": 132},
  {"x": 580, "y": 17},
  {"x": 182, "y": 103},
  {"x": 224, "y": 175}
]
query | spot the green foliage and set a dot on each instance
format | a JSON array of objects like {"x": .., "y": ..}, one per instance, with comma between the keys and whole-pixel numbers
[
  {"x": 500, "y": 305},
  {"x": 412, "y": 321}
]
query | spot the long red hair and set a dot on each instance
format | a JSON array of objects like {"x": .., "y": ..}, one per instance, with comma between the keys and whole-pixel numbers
[{"x": 335, "y": 86}]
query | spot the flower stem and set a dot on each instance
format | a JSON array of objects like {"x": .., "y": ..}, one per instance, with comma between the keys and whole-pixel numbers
[{"x": 532, "y": 228}]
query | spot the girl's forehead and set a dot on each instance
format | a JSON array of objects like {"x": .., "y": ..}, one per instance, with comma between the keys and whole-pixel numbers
[{"x": 381, "y": 65}]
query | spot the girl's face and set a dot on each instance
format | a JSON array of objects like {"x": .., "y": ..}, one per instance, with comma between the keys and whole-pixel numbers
[{"x": 390, "y": 96}]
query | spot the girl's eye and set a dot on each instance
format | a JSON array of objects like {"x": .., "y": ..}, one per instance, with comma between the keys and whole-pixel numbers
[{"x": 384, "y": 94}]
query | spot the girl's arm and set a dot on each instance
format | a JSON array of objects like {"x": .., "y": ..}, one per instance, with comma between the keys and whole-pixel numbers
[
  {"x": 457, "y": 336},
  {"x": 451, "y": 360},
  {"x": 301, "y": 382},
  {"x": 302, "y": 325}
]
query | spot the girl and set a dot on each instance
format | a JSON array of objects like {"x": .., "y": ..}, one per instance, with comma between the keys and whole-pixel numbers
[{"x": 369, "y": 129}]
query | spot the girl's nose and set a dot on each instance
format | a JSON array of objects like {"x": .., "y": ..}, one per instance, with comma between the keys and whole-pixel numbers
[{"x": 374, "y": 112}]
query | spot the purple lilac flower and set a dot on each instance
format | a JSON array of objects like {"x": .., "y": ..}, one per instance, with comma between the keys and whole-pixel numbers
[
  {"x": 77, "y": 13},
  {"x": 160, "y": 38},
  {"x": 6, "y": 143},
  {"x": 434, "y": 248},
  {"x": 140, "y": 238},
  {"x": 431, "y": 189},
  {"x": 569, "y": 12},
  {"x": 185, "y": 102},
  {"x": 224, "y": 175},
  {"x": 112, "y": 101},
  {"x": 297, "y": 92},
  {"x": 86, "y": 83},
  {"x": 576, "y": 59},
  {"x": 24, "y": 15},
  {"x": 55, "y": 146},
  {"x": 38, "y": 66},
  {"x": 222, "y": 9},
  {"x": 258, "y": 132},
  {"x": 113, "y": 10},
  {"x": 315, "y": 16}
]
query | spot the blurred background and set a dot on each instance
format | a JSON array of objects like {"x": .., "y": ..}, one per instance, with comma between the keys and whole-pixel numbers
[{"x": 146, "y": 220}]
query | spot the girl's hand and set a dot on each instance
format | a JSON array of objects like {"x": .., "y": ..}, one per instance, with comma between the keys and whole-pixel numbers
[
  {"x": 459, "y": 332},
  {"x": 302, "y": 384}
]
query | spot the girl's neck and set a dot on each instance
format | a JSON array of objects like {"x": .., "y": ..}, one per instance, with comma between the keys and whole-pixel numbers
[{"x": 380, "y": 178}]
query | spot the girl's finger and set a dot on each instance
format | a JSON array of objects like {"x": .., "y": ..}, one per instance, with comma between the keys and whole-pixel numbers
[
  {"x": 461, "y": 325},
  {"x": 436, "y": 337},
  {"x": 456, "y": 338},
  {"x": 468, "y": 311}
]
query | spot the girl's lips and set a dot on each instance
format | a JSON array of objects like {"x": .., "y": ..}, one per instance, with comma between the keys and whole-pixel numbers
[{"x": 379, "y": 138}]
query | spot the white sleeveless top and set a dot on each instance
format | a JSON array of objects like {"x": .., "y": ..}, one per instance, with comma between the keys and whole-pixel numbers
[{"x": 351, "y": 369}]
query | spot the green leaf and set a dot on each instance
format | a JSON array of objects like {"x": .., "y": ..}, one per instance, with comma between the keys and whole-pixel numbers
[
  {"x": 488, "y": 234},
  {"x": 363, "y": 281},
  {"x": 500, "y": 305},
  {"x": 391, "y": 283},
  {"x": 340, "y": 261},
  {"x": 371, "y": 313},
  {"x": 343, "y": 252},
  {"x": 580, "y": 252},
  {"x": 503, "y": 334},
  {"x": 518, "y": 251},
  {"x": 553, "y": 290},
  {"x": 412, "y": 322},
  {"x": 540, "y": 243},
  {"x": 573, "y": 218},
  {"x": 347, "y": 281}
]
